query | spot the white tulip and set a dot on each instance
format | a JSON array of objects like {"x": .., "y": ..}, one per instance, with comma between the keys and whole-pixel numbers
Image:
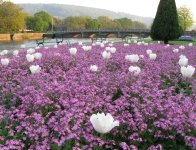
[
  {"x": 73, "y": 51},
  {"x": 139, "y": 43},
  {"x": 153, "y": 56},
  {"x": 190, "y": 44},
  {"x": 30, "y": 58},
  {"x": 5, "y": 61},
  {"x": 181, "y": 47},
  {"x": 188, "y": 71},
  {"x": 30, "y": 51},
  {"x": 107, "y": 48},
  {"x": 149, "y": 51},
  {"x": 132, "y": 58},
  {"x": 4, "y": 52},
  {"x": 158, "y": 42},
  {"x": 103, "y": 123},
  {"x": 125, "y": 45},
  {"x": 102, "y": 45},
  {"x": 98, "y": 43},
  {"x": 182, "y": 56},
  {"x": 37, "y": 55},
  {"x": 110, "y": 44},
  {"x": 55, "y": 46},
  {"x": 183, "y": 61},
  {"x": 35, "y": 69},
  {"x": 46, "y": 47},
  {"x": 127, "y": 57},
  {"x": 176, "y": 50},
  {"x": 93, "y": 68},
  {"x": 135, "y": 70},
  {"x": 93, "y": 44},
  {"x": 113, "y": 50},
  {"x": 106, "y": 55},
  {"x": 135, "y": 41},
  {"x": 80, "y": 43},
  {"x": 15, "y": 52},
  {"x": 86, "y": 48}
]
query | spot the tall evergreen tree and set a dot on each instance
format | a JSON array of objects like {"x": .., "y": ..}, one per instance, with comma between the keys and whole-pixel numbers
[{"x": 165, "y": 26}]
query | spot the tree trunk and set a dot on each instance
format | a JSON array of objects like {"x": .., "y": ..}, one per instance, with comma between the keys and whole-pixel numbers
[{"x": 165, "y": 41}]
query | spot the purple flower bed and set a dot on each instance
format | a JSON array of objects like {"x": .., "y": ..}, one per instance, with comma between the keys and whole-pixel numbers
[{"x": 51, "y": 109}]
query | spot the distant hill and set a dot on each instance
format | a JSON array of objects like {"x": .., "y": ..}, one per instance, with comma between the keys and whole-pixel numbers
[{"x": 63, "y": 11}]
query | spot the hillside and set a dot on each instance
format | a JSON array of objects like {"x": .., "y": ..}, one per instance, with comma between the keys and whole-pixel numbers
[{"x": 63, "y": 11}]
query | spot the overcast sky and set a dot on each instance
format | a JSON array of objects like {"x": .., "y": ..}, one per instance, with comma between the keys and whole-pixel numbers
[{"x": 146, "y": 8}]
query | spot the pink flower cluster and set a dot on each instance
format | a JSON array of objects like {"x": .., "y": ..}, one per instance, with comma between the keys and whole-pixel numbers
[{"x": 53, "y": 107}]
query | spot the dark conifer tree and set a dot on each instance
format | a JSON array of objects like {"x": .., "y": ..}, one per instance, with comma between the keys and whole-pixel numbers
[{"x": 165, "y": 26}]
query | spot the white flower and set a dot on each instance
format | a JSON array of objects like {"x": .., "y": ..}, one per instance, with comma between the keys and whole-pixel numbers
[
  {"x": 158, "y": 42},
  {"x": 132, "y": 58},
  {"x": 55, "y": 46},
  {"x": 183, "y": 61},
  {"x": 30, "y": 51},
  {"x": 188, "y": 71},
  {"x": 105, "y": 42},
  {"x": 111, "y": 49},
  {"x": 93, "y": 68},
  {"x": 106, "y": 55},
  {"x": 30, "y": 58},
  {"x": 176, "y": 50},
  {"x": 35, "y": 69},
  {"x": 46, "y": 47},
  {"x": 37, "y": 55},
  {"x": 125, "y": 45},
  {"x": 86, "y": 48},
  {"x": 93, "y": 44},
  {"x": 181, "y": 47},
  {"x": 182, "y": 56},
  {"x": 102, "y": 45},
  {"x": 5, "y": 61},
  {"x": 4, "y": 52},
  {"x": 73, "y": 51},
  {"x": 110, "y": 44},
  {"x": 103, "y": 123},
  {"x": 23, "y": 46},
  {"x": 80, "y": 43},
  {"x": 15, "y": 52},
  {"x": 98, "y": 43},
  {"x": 153, "y": 56},
  {"x": 139, "y": 43},
  {"x": 135, "y": 70},
  {"x": 135, "y": 41},
  {"x": 190, "y": 44},
  {"x": 149, "y": 51}
]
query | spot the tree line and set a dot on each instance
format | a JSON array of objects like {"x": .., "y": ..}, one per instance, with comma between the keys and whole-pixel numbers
[{"x": 13, "y": 19}]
